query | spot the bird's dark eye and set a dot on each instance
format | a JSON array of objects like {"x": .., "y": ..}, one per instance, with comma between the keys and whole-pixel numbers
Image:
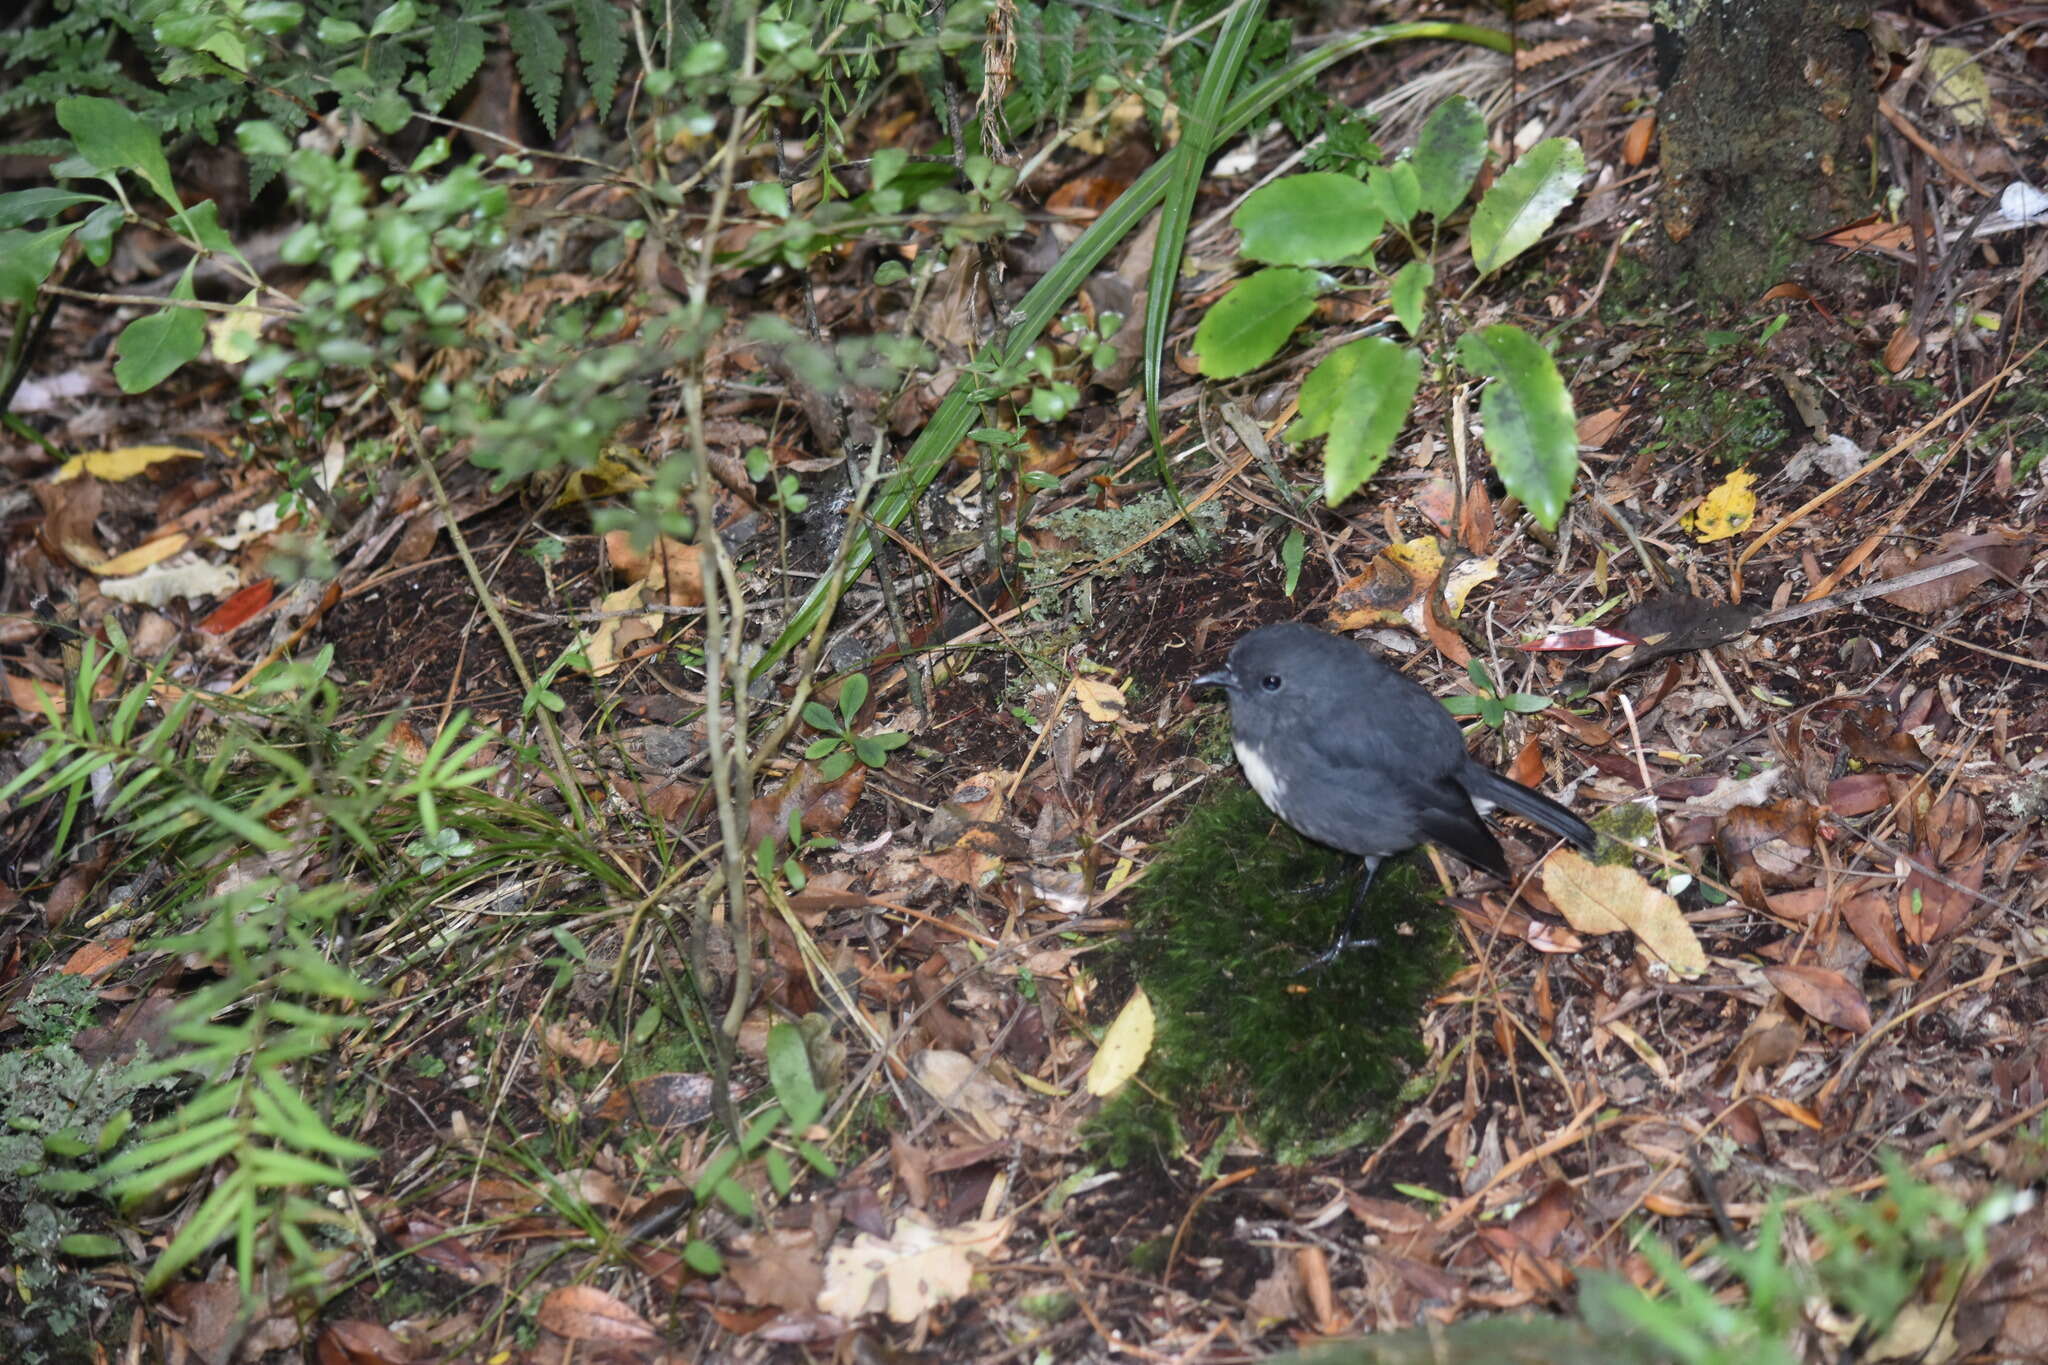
[{"x": 1271, "y": 682}]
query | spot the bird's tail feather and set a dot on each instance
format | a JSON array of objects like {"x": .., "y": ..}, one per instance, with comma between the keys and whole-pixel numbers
[{"x": 1484, "y": 784}]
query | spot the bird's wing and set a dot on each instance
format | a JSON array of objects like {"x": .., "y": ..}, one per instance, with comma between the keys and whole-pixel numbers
[
  {"x": 1454, "y": 824},
  {"x": 1398, "y": 728}
]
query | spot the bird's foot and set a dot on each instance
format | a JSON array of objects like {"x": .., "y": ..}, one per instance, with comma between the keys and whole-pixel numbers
[{"x": 1336, "y": 950}]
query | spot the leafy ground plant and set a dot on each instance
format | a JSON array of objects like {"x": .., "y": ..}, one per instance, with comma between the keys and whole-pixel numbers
[{"x": 1301, "y": 228}]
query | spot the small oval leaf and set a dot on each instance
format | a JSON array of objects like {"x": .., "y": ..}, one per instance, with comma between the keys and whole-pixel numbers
[
  {"x": 1530, "y": 430},
  {"x": 1247, "y": 327},
  {"x": 1359, "y": 397},
  {"x": 1525, "y": 201},
  {"x": 1315, "y": 219},
  {"x": 1411, "y": 286},
  {"x": 1448, "y": 154}
]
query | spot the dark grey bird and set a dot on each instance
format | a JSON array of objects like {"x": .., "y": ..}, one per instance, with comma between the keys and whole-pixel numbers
[{"x": 1356, "y": 756}]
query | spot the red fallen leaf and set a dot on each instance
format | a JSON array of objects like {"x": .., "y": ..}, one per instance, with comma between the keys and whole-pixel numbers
[
  {"x": 1858, "y": 794},
  {"x": 1596, "y": 429},
  {"x": 1872, "y": 736},
  {"x": 1932, "y": 910},
  {"x": 1873, "y": 918},
  {"x": 1635, "y": 144},
  {"x": 1086, "y": 196},
  {"x": 357, "y": 1341},
  {"x": 1871, "y": 233},
  {"x": 1827, "y": 996},
  {"x": 1952, "y": 830},
  {"x": 1527, "y": 768},
  {"x": 824, "y": 805},
  {"x": 1797, "y": 906},
  {"x": 234, "y": 613},
  {"x": 1585, "y": 637}
]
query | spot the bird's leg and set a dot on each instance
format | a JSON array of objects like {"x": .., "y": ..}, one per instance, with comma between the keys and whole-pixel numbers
[{"x": 1345, "y": 942}]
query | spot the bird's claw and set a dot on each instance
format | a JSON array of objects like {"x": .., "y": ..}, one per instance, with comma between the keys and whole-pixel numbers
[{"x": 1336, "y": 950}]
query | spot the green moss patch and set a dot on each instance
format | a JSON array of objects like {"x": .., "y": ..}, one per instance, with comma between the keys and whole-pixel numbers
[{"x": 1310, "y": 1061}]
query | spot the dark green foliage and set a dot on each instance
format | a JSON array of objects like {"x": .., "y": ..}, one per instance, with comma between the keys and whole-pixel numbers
[
  {"x": 1221, "y": 931},
  {"x": 601, "y": 39},
  {"x": 195, "y": 69},
  {"x": 59, "y": 1114},
  {"x": 541, "y": 54}
]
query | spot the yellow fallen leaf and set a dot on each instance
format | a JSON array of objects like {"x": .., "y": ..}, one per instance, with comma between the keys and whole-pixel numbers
[
  {"x": 612, "y": 475},
  {"x": 1100, "y": 701},
  {"x": 142, "y": 556},
  {"x": 112, "y": 466},
  {"x": 601, "y": 647},
  {"x": 1726, "y": 511},
  {"x": 1466, "y": 575},
  {"x": 236, "y": 333},
  {"x": 1957, "y": 84},
  {"x": 1123, "y": 1048},
  {"x": 1606, "y": 900}
]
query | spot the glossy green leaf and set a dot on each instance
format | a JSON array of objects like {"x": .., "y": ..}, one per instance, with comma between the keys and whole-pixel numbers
[
  {"x": 150, "y": 349},
  {"x": 113, "y": 139},
  {"x": 789, "y": 1072},
  {"x": 1522, "y": 204},
  {"x": 1448, "y": 154},
  {"x": 1291, "y": 551},
  {"x": 1315, "y": 219},
  {"x": 1358, "y": 397},
  {"x": 1411, "y": 287},
  {"x": 1247, "y": 326},
  {"x": 26, "y": 260},
  {"x": 1396, "y": 191},
  {"x": 37, "y": 203},
  {"x": 1531, "y": 431},
  {"x": 853, "y": 694}
]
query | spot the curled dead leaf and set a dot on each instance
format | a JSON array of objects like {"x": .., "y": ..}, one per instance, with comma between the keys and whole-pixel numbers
[
  {"x": 582, "y": 1312},
  {"x": 1826, "y": 995}
]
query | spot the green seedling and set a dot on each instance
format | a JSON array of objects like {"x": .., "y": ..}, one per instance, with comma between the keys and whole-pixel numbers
[
  {"x": 1490, "y": 704},
  {"x": 838, "y": 746}
]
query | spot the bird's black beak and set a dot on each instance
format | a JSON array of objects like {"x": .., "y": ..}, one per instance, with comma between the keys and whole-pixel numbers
[{"x": 1222, "y": 677}]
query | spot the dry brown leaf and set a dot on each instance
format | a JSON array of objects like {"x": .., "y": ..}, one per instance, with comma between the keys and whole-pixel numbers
[
  {"x": 1873, "y": 918},
  {"x": 1596, "y": 429},
  {"x": 821, "y": 805},
  {"x": 779, "y": 1267},
  {"x": 582, "y": 1312},
  {"x": 1930, "y": 909},
  {"x": 1635, "y": 143},
  {"x": 578, "y": 1045},
  {"x": 1603, "y": 900},
  {"x": 358, "y": 1341},
  {"x": 69, "y": 511},
  {"x": 1826, "y": 995},
  {"x": 95, "y": 958},
  {"x": 1998, "y": 554}
]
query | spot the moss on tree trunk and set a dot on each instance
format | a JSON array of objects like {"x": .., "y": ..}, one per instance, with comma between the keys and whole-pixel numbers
[{"x": 1764, "y": 126}]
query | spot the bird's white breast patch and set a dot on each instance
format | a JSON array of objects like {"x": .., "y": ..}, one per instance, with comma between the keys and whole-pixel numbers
[{"x": 1260, "y": 774}]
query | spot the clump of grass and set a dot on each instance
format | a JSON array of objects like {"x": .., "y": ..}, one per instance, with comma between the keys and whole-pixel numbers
[{"x": 1312, "y": 1061}]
